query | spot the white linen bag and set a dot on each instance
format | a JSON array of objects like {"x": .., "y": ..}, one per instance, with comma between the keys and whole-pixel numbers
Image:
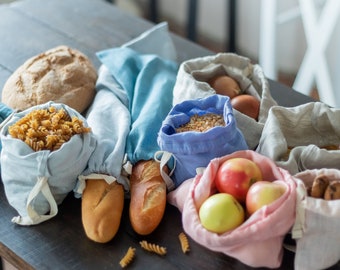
[
  {"x": 302, "y": 137},
  {"x": 317, "y": 224},
  {"x": 191, "y": 83},
  {"x": 36, "y": 182}
]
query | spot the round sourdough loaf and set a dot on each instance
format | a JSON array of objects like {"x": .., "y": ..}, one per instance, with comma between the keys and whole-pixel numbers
[{"x": 61, "y": 74}]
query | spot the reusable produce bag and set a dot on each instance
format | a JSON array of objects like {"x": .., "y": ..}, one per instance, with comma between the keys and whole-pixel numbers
[
  {"x": 258, "y": 242},
  {"x": 147, "y": 80},
  {"x": 191, "y": 83},
  {"x": 191, "y": 149},
  {"x": 317, "y": 224},
  {"x": 302, "y": 137},
  {"x": 36, "y": 182},
  {"x": 134, "y": 95},
  {"x": 5, "y": 112}
]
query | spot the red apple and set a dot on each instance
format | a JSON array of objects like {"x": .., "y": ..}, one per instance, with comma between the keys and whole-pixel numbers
[
  {"x": 236, "y": 175},
  {"x": 220, "y": 213},
  {"x": 263, "y": 193}
]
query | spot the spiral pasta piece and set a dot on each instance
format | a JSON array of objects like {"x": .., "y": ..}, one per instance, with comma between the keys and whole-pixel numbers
[
  {"x": 153, "y": 247},
  {"x": 128, "y": 257},
  {"x": 184, "y": 242}
]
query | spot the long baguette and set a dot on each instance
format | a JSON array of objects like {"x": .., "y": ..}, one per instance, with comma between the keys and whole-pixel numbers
[
  {"x": 102, "y": 207},
  {"x": 148, "y": 197}
]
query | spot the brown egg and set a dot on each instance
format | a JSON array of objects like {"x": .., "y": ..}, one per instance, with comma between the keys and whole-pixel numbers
[
  {"x": 225, "y": 85},
  {"x": 247, "y": 104}
]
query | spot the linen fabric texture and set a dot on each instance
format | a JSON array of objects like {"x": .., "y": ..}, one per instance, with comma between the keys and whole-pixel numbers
[
  {"x": 191, "y": 83},
  {"x": 191, "y": 149},
  {"x": 35, "y": 182},
  {"x": 317, "y": 224},
  {"x": 5, "y": 112},
  {"x": 134, "y": 95},
  {"x": 297, "y": 138},
  {"x": 258, "y": 242}
]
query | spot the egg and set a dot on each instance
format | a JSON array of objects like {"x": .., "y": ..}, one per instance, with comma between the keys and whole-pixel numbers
[
  {"x": 246, "y": 104},
  {"x": 225, "y": 85}
]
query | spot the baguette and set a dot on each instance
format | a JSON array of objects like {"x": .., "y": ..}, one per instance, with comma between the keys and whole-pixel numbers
[
  {"x": 102, "y": 207},
  {"x": 148, "y": 197}
]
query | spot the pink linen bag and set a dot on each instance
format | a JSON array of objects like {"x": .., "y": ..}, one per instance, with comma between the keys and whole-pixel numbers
[{"x": 258, "y": 242}]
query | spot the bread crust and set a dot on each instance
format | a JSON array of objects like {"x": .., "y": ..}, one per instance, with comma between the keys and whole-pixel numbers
[
  {"x": 148, "y": 197},
  {"x": 102, "y": 207},
  {"x": 61, "y": 74}
]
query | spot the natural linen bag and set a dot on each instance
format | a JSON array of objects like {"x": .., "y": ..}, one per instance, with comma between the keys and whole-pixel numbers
[
  {"x": 258, "y": 242},
  {"x": 306, "y": 130},
  {"x": 36, "y": 182},
  {"x": 191, "y": 149},
  {"x": 316, "y": 229},
  {"x": 191, "y": 83}
]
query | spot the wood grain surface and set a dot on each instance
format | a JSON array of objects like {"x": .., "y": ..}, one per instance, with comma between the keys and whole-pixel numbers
[{"x": 30, "y": 27}]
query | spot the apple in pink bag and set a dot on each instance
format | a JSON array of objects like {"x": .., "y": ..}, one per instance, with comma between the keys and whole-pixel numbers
[{"x": 258, "y": 241}]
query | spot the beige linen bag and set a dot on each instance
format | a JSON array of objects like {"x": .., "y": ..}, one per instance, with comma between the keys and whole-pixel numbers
[
  {"x": 317, "y": 224},
  {"x": 302, "y": 137},
  {"x": 191, "y": 83}
]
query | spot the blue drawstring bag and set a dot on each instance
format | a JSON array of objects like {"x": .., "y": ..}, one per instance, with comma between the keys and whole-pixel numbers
[
  {"x": 193, "y": 150},
  {"x": 36, "y": 182},
  {"x": 5, "y": 112}
]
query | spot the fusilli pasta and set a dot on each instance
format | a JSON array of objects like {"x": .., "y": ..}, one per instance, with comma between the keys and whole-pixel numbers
[
  {"x": 184, "y": 242},
  {"x": 153, "y": 247},
  {"x": 128, "y": 257},
  {"x": 47, "y": 129}
]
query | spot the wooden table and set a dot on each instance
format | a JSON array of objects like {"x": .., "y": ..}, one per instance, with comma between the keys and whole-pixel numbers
[{"x": 33, "y": 26}]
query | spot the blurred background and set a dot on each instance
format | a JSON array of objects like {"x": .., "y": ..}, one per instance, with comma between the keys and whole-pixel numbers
[
  {"x": 280, "y": 35},
  {"x": 295, "y": 41}
]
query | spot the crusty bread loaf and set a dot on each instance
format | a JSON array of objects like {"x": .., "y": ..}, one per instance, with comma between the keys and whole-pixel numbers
[
  {"x": 148, "y": 197},
  {"x": 102, "y": 207},
  {"x": 61, "y": 74}
]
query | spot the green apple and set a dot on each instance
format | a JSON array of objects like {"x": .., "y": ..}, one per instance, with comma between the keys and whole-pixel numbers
[
  {"x": 263, "y": 193},
  {"x": 220, "y": 213}
]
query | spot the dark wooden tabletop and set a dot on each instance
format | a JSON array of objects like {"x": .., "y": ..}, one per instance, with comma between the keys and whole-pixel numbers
[{"x": 30, "y": 27}]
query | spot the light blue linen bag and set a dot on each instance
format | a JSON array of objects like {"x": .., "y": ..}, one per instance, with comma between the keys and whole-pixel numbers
[
  {"x": 134, "y": 95},
  {"x": 36, "y": 182},
  {"x": 5, "y": 113}
]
